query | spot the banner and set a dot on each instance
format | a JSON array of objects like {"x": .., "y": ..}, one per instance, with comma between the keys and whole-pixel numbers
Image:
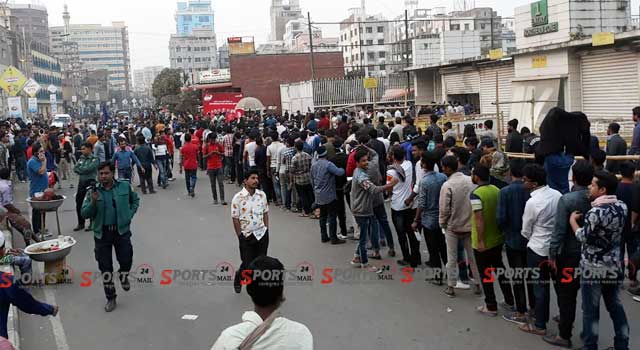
[
  {"x": 53, "y": 99},
  {"x": 214, "y": 76},
  {"x": 12, "y": 81},
  {"x": 220, "y": 102},
  {"x": 32, "y": 102},
  {"x": 15, "y": 107},
  {"x": 31, "y": 87}
]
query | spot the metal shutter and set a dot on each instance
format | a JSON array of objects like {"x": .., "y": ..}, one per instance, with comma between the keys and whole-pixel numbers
[
  {"x": 488, "y": 88},
  {"x": 461, "y": 83},
  {"x": 610, "y": 84}
]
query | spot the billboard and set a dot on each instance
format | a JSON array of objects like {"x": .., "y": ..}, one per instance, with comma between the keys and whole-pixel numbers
[
  {"x": 220, "y": 102},
  {"x": 12, "y": 81},
  {"x": 241, "y": 45},
  {"x": 32, "y": 105},
  {"x": 15, "y": 107},
  {"x": 214, "y": 76}
]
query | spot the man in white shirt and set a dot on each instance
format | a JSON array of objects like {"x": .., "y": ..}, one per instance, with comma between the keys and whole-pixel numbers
[
  {"x": 273, "y": 159},
  {"x": 250, "y": 214},
  {"x": 538, "y": 222},
  {"x": 265, "y": 328},
  {"x": 250, "y": 150}
]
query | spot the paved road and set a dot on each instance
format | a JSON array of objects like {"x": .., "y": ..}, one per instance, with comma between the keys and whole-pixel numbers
[{"x": 172, "y": 231}]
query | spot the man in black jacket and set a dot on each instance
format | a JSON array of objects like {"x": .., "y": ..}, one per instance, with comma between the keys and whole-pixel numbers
[
  {"x": 340, "y": 160},
  {"x": 514, "y": 139},
  {"x": 145, "y": 155},
  {"x": 616, "y": 146}
]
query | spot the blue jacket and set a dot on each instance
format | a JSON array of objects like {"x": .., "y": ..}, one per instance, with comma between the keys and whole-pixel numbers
[
  {"x": 511, "y": 202},
  {"x": 323, "y": 179},
  {"x": 12, "y": 293},
  {"x": 124, "y": 159}
]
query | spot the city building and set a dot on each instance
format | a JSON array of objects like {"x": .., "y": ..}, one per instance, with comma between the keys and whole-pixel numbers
[
  {"x": 365, "y": 46},
  {"x": 28, "y": 20},
  {"x": 46, "y": 71},
  {"x": 302, "y": 43},
  {"x": 143, "y": 78},
  {"x": 192, "y": 15},
  {"x": 223, "y": 56},
  {"x": 508, "y": 35},
  {"x": 281, "y": 12},
  {"x": 194, "y": 53},
  {"x": 99, "y": 47}
]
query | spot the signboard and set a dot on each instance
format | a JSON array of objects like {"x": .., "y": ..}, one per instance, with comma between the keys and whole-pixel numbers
[
  {"x": 602, "y": 39},
  {"x": 52, "y": 89},
  {"x": 539, "y": 62},
  {"x": 32, "y": 104},
  {"x": 241, "y": 46},
  {"x": 215, "y": 76},
  {"x": 31, "y": 88},
  {"x": 496, "y": 54},
  {"x": 53, "y": 99},
  {"x": 540, "y": 20},
  {"x": 97, "y": 96},
  {"x": 370, "y": 83},
  {"x": 74, "y": 98},
  {"x": 12, "y": 81},
  {"x": 220, "y": 102},
  {"x": 15, "y": 107}
]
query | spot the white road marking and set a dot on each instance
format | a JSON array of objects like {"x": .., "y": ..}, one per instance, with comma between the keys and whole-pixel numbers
[{"x": 56, "y": 323}]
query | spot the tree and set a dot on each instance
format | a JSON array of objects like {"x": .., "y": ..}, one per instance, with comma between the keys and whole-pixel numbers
[
  {"x": 166, "y": 87},
  {"x": 189, "y": 102}
]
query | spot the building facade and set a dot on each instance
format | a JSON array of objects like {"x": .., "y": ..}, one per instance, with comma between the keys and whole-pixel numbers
[
  {"x": 99, "y": 47},
  {"x": 30, "y": 20},
  {"x": 223, "y": 56},
  {"x": 46, "y": 71},
  {"x": 281, "y": 12},
  {"x": 194, "y": 14},
  {"x": 193, "y": 54},
  {"x": 365, "y": 47},
  {"x": 143, "y": 78}
]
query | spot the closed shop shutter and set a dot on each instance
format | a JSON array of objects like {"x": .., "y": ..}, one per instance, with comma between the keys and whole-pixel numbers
[
  {"x": 488, "y": 88},
  {"x": 610, "y": 86},
  {"x": 461, "y": 83}
]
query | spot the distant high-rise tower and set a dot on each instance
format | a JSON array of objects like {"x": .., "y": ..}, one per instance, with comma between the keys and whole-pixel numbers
[
  {"x": 66, "y": 17},
  {"x": 282, "y": 11}
]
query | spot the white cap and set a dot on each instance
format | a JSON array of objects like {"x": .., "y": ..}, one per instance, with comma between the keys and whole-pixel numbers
[{"x": 1, "y": 239}]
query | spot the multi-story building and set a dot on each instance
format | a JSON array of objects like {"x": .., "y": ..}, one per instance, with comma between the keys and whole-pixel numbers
[
  {"x": 365, "y": 46},
  {"x": 223, "y": 56},
  {"x": 283, "y": 11},
  {"x": 143, "y": 78},
  {"x": 508, "y": 35},
  {"x": 99, "y": 47},
  {"x": 302, "y": 43},
  {"x": 295, "y": 27},
  {"x": 46, "y": 71},
  {"x": 194, "y": 53},
  {"x": 194, "y": 14},
  {"x": 29, "y": 20}
]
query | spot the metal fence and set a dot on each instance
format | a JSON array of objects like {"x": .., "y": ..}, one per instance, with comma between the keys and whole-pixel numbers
[{"x": 351, "y": 91}]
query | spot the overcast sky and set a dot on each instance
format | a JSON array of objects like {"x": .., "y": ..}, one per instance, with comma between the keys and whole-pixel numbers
[{"x": 151, "y": 22}]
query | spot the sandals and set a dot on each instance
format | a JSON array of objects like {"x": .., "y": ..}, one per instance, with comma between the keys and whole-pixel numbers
[
  {"x": 483, "y": 310},
  {"x": 529, "y": 328}
]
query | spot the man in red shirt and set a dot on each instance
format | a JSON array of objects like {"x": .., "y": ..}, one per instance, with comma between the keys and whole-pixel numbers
[
  {"x": 324, "y": 123},
  {"x": 189, "y": 161},
  {"x": 213, "y": 151}
]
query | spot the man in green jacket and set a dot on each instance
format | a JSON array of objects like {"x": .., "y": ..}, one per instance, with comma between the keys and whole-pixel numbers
[
  {"x": 111, "y": 206},
  {"x": 87, "y": 169}
]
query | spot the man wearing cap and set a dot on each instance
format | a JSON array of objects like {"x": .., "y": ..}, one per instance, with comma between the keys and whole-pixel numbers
[{"x": 323, "y": 180}]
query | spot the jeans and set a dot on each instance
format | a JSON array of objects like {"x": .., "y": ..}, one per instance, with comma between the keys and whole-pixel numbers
[
  {"x": 463, "y": 267},
  {"x": 124, "y": 174},
  {"x": 521, "y": 283},
  {"x": 216, "y": 175},
  {"x": 541, "y": 287},
  {"x": 341, "y": 212},
  {"x": 437, "y": 248},
  {"x": 162, "y": 165},
  {"x": 285, "y": 191},
  {"x": 328, "y": 212},
  {"x": 21, "y": 168},
  {"x": 250, "y": 249},
  {"x": 364, "y": 222},
  {"x": 402, "y": 221},
  {"x": 229, "y": 168},
  {"x": 275, "y": 179},
  {"x": 610, "y": 292},
  {"x": 112, "y": 239},
  {"x": 452, "y": 240},
  {"x": 380, "y": 214},
  {"x": 567, "y": 293},
  {"x": 146, "y": 179},
  {"x": 191, "y": 177},
  {"x": 305, "y": 192},
  {"x": 488, "y": 260},
  {"x": 557, "y": 166}
]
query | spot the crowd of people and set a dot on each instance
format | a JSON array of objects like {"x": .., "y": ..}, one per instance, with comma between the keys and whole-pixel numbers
[{"x": 472, "y": 204}]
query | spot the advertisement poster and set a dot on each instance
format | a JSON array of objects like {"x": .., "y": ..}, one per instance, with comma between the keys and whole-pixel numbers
[
  {"x": 15, "y": 107},
  {"x": 221, "y": 102},
  {"x": 31, "y": 88},
  {"x": 33, "y": 104},
  {"x": 12, "y": 81},
  {"x": 54, "y": 104}
]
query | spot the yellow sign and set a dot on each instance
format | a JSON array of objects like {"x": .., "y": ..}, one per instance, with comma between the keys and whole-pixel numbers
[
  {"x": 539, "y": 62},
  {"x": 604, "y": 38},
  {"x": 370, "y": 83},
  {"x": 12, "y": 81},
  {"x": 496, "y": 54}
]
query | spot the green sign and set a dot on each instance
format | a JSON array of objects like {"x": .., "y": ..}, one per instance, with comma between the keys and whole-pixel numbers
[
  {"x": 539, "y": 13},
  {"x": 540, "y": 20}
]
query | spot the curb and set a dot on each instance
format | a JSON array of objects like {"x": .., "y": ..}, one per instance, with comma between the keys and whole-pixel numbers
[{"x": 13, "y": 321}]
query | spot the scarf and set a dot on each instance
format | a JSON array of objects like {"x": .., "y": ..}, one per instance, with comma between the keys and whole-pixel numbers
[
  {"x": 604, "y": 200},
  {"x": 253, "y": 337}
]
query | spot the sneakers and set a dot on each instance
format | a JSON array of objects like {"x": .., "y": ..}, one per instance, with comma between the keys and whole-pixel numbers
[
  {"x": 224, "y": 203},
  {"x": 556, "y": 340},
  {"x": 636, "y": 299},
  {"x": 356, "y": 261},
  {"x": 450, "y": 292},
  {"x": 342, "y": 237},
  {"x": 215, "y": 202},
  {"x": 124, "y": 281},
  {"x": 371, "y": 268},
  {"x": 515, "y": 318},
  {"x": 460, "y": 285},
  {"x": 338, "y": 241},
  {"x": 506, "y": 307},
  {"x": 111, "y": 305}
]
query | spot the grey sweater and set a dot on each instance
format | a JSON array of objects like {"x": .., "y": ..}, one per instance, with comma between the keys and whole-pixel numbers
[{"x": 363, "y": 192}]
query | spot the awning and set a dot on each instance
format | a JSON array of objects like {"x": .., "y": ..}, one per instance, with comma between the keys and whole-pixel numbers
[
  {"x": 394, "y": 94},
  {"x": 531, "y": 100},
  {"x": 206, "y": 86}
]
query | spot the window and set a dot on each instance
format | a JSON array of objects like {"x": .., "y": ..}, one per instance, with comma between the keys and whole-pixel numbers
[
  {"x": 361, "y": 42},
  {"x": 369, "y": 29},
  {"x": 369, "y": 42},
  {"x": 454, "y": 27},
  {"x": 382, "y": 67},
  {"x": 197, "y": 59},
  {"x": 380, "y": 41},
  {"x": 179, "y": 59},
  {"x": 204, "y": 19},
  {"x": 482, "y": 26},
  {"x": 371, "y": 55},
  {"x": 382, "y": 54},
  {"x": 380, "y": 29},
  {"x": 346, "y": 60},
  {"x": 186, "y": 18},
  {"x": 357, "y": 57},
  {"x": 197, "y": 48},
  {"x": 466, "y": 26},
  {"x": 189, "y": 48}
]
